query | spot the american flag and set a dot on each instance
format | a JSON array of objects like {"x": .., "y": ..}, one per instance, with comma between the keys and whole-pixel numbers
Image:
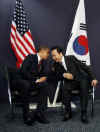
[{"x": 20, "y": 37}]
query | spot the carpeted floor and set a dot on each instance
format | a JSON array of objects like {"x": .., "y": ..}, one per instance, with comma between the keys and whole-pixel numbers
[{"x": 55, "y": 117}]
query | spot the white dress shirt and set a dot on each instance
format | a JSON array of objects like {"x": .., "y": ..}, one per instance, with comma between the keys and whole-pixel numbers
[
  {"x": 63, "y": 63},
  {"x": 39, "y": 59}
]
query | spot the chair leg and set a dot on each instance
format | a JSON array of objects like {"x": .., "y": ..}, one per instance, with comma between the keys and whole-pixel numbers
[
  {"x": 10, "y": 115},
  {"x": 12, "y": 111},
  {"x": 92, "y": 106}
]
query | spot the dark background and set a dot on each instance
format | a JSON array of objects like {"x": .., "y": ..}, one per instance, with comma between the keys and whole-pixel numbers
[{"x": 50, "y": 24}]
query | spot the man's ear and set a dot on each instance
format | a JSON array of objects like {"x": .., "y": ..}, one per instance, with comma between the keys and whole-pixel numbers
[{"x": 61, "y": 54}]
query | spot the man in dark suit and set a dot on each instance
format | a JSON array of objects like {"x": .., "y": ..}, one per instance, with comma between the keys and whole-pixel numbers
[
  {"x": 33, "y": 76},
  {"x": 71, "y": 71}
]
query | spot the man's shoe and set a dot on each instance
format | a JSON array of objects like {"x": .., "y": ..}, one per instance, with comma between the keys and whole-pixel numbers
[
  {"x": 41, "y": 118},
  {"x": 28, "y": 118},
  {"x": 28, "y": 121},
  {"x": 84, "y": 118},
  {"x": 67, "y": 116}
]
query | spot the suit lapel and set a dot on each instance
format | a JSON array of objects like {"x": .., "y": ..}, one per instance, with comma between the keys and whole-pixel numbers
[{"x": 69, "y": 63}]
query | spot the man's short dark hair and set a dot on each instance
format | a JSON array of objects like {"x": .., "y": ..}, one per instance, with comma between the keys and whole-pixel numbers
[
  {"x": 59, "y": 49},
  {"x": 43, "y": 47}
]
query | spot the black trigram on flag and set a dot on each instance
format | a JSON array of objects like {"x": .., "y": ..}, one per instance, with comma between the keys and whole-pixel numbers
[{"x": 83, "y": 26}]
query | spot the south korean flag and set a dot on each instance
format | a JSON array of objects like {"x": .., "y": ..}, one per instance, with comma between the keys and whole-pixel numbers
[{"x": 78, "y": 43}]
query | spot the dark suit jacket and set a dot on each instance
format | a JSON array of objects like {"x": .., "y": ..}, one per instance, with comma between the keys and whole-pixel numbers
[
  {"x": 30, "y": 70},
  {"x": 74, "y": 66}
]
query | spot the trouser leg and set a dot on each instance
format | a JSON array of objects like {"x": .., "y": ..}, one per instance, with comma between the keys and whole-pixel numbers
[
  {"x": 42, "y": 97},
  {"x": 23, "y": 86},
  {"x": 84, "y": 88},
  {"x": 67, "y": 88}
]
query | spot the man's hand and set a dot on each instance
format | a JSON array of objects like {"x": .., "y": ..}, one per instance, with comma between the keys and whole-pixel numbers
[
  {"x": 68, "y": 76},
  {"x": 94, "y": 83},
  {"x": 42, "y": 79}
]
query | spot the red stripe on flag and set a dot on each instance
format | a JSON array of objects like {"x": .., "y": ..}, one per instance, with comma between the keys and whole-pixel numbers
[
  {"x": 13, "y": 27},
  {"x": 22, "y": 43},
  {"x": 26, "y": 40},
  {"x": 18, "y": 64},
  {"x": 19, "y": 59},
  {"x": 29, "y": 34},
  {"x": 20, "y": 40},
  {"x": 17, "y": 45}
]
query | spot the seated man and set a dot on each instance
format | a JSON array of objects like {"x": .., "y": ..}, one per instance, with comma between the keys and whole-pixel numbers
[
  {"x": 33, "y": 77},
  {"x": 70, "y": 70}
]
